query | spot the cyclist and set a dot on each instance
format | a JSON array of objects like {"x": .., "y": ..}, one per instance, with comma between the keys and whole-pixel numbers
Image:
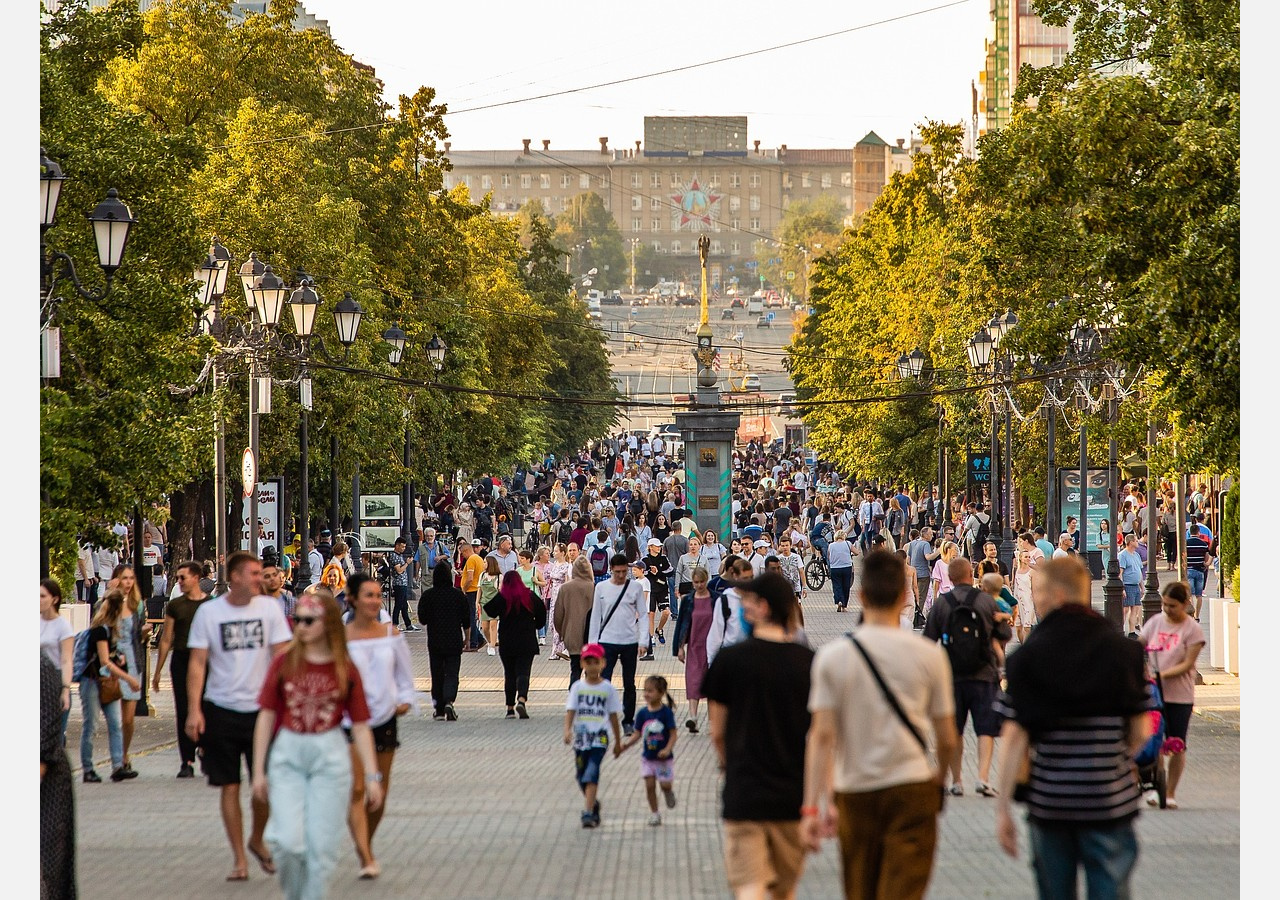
[{"x": 821, "y": 534}]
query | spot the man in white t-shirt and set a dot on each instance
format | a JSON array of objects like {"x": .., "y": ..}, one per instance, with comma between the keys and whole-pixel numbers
[
  {"x": 620, "y": 623},
  {"x": 887, "y": 787},
  {"x": 728, "y": 630},
  {"x": 233, "y": 638}
]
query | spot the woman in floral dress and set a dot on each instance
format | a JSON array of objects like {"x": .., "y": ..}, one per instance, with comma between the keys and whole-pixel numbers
[{"x": 554, "y": 575}]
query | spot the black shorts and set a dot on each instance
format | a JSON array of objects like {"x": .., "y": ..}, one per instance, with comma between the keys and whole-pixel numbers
[
  {"x": 977, "y": 698},
  {"x": 1177, "y": 719},
  {"x": 228, "y": 735},
  {"x": 386, "y": 737},
  {"x": 656, "y": 604}
]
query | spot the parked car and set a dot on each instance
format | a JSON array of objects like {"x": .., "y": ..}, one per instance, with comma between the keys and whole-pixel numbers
[
  {"x": 691, "y": 328},
  {"x": 613, "y": 298}
]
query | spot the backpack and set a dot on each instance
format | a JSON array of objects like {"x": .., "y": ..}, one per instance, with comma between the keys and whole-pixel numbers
[
  {"x": 599, "y": 561},
  {"x": 984, "y": 530},
  {"x": 565, "y": 534},
  {"x": 965, "y": 637},
  {"x": 80, "y": 654}
]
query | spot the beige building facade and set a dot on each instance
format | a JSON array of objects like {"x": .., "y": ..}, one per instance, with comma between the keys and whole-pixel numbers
[{"x": 691, "y": 176}]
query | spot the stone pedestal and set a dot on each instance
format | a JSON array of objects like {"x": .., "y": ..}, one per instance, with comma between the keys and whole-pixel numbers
[{"x": 709, "y": 433}]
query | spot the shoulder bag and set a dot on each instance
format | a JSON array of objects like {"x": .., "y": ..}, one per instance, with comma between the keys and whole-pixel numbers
[
  {"x": 897, "y": 708},
  {"x": 586, "y": 632}
]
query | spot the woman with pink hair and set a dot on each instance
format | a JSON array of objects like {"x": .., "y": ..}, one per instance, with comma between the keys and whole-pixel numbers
[{"x": 520, "y": 613}]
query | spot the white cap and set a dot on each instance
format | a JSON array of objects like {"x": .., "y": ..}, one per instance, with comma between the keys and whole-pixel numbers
[
  {"x": 654, "y": 542},
  {"x": 760, "y": 543}
]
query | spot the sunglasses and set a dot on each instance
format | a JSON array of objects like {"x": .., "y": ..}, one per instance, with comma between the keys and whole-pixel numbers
[{"x": 305, "y": 620}]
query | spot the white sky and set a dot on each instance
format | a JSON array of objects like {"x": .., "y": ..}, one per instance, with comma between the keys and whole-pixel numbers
[{"x": 827, "y": 93}]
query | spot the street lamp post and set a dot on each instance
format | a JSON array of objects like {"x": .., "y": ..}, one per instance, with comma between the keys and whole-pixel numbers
[
  {"x": 981, "y": 348},
  {"x": 1151, "y": 597},
  {"x": 435, "y": 348},
  {"x": 112, "y": 222},
  {"x": 1113, "y": 588}
]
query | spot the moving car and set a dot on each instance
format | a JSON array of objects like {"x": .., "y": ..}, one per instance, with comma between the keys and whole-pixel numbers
[
  {"x": 764, "y": 322},
  {"x": 773, "y": 300},
  {"x": 751, "y": 382},
  {"x": 613, "y": 298},
  {"x": 786, "y": 403},
  {"x": 726, "y": 313},
  {"x": 687, "y": 300},
  {"x": 755, "y": 305},
  {"x": 737, "y": 303},
  {"x": 593, "y": 307},
  {"x": 691, "y": 328}
]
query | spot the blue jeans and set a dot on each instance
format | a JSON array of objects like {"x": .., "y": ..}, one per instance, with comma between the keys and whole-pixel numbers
[
  {"x": 673, "y": 596},
  {"x": 89, "y": 707},
  {"x": 841, "y": 583},
  {"x": 310, "y": 789},
  {"x": 1195, "y": 578},
  {"x": 1108, "y": 854}
]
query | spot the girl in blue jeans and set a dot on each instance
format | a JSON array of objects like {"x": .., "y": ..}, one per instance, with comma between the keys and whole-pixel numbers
[
  {"x": 308, "y": 688},
  {"x": 104, "y": 660}
]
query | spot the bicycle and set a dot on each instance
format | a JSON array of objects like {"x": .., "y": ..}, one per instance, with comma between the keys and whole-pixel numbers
[{"x": 816, "y": 571}]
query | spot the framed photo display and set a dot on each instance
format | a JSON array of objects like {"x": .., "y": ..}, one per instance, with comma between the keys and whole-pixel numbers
[{"x": 379, "y": 507}]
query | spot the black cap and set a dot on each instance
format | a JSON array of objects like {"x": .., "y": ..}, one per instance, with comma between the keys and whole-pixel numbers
[{"x": 772, "y": 587}]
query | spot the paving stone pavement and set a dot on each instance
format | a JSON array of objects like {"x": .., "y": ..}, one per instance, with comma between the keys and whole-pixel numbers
[{"x": 487, "y": 808}]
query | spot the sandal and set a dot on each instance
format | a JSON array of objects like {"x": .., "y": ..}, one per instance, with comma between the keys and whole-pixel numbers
[
  {"x": 268, "y": 864},
  {"x": 238, "y": 875}
]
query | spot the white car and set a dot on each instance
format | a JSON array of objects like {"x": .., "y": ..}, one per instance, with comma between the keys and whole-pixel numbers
[
  {"x": 691, "y": 328},
  {"x": 751, "y": 383}
]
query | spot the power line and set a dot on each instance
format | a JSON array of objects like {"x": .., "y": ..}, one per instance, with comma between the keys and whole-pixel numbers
[{"x": 628, "y": 80}]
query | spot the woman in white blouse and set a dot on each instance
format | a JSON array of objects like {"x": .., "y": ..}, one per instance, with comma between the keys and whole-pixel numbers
[{"x": 381, "y": 654}]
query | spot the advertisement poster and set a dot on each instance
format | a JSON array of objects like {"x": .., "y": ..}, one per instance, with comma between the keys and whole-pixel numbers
[
  {"x": 270, "y": 528},
  {"x": 1069, "y": 502}
]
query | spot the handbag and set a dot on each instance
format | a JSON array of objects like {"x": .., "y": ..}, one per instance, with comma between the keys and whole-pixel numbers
[
  {"x": 109, "y": 685},
  {"x": 586, "y": 631},
  {"x": 897, "y": 708}
]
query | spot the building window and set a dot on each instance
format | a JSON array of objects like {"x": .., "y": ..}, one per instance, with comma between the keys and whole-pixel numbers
[
  {"x": 604, "y": 183},
  {"x": 755, "y": 224},
  {"x": 565, "y": 179},
  {"x": 846, "y": 179},
  {"x": 786, "y": 181},
  {"x": 448, "y": 182},
  {"x": 715, "y": 180},
  {"x": 506, "y": 181},
  {"x": 485, "y": 182},
  {"x": 655, "y": 203},
  {"x": 755, "y": 179},
  {"x": 657, "y": 246},
  {"x": 655, "y": 180},
  {"x": 826, "y": 179},
  {"x": 848, "y": 203},
  {"x": 544, "y": 181},
  {"x": 675, "y": 246},
  {"x": 715, "y": 247},
  {"x": 755, "y": 203},
  {"x": 526, "y": 181},
  {"x": 637, "y": 202},
  {"x": 564, "y": 204},
  {"x": 656, "y": 225},
  {"x": 736, "y": 248},
  {"x": 735, "y": 224},
  {"x": 735, "y": 204},
  {"x": 806, "y": 180},
  {"x": 635, "y": 179},
  {"x": 675, "y": 179},
  {"x": 734, "y": 180},
  {"x": 584, "y": 181},
  {"x": 635, "y": 224}
]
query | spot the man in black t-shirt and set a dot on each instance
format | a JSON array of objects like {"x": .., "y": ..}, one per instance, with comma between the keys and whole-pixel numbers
[{"x": 757, "y": 693}]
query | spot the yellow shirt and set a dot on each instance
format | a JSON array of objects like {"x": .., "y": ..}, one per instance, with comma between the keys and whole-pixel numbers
[{"x": 472, "y": 569}]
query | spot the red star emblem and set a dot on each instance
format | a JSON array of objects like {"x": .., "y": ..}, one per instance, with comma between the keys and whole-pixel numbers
[{"x": 696, "y": 205}]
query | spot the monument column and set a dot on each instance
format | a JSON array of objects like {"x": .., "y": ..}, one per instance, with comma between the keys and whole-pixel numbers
[{"x": 709, "y": 433}]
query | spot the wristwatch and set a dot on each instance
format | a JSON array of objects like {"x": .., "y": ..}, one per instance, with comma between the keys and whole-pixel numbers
[{"x": 373, "y": 776}]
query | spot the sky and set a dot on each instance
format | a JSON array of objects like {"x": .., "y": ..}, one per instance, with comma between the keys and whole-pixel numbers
[{"x": 826, "y": 93}]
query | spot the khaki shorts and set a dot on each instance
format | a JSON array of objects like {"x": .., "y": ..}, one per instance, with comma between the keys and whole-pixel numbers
[{"x": 769, "y": 853}]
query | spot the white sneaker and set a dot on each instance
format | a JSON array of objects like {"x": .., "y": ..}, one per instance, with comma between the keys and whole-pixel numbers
[
  {"x": 542, "y": 642},
  {"x": 1152, "y": 797},
  {"x": 491, "y": 651},
  {"x": 655, "y": 819}
]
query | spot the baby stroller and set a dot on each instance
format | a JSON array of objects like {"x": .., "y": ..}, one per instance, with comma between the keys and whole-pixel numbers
[{"x": 1150, "y": 758}]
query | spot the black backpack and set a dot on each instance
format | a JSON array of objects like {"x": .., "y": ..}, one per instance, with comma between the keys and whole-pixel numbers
[
  {"x": 965, "y": 637},
  {"x": 983, "y": 532},
  {"x": 565, "y": 534}
]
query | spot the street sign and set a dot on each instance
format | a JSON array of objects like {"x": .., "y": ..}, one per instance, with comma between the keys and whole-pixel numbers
[
  {"x": 248, "y": 472},
  {"x": 270, "y": 528},
  {"x": 751, "y": 265},
  {"x": 979, "y": 473},
  {"x": 791, "y": 276}
]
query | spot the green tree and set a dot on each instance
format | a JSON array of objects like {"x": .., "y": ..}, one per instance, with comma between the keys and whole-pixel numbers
[
  {"x": 808, "y": 229},
  {"x": 590, "y": 237}
]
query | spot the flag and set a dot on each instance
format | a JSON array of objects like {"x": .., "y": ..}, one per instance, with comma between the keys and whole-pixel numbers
[{"x": 715, "y": 363}]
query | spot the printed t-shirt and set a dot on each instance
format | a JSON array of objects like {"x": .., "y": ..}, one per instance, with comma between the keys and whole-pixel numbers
[
  {"x": 310, "y": 701},
  {"x": 591, "y": 705},
  {"x": 655, "y": 729},
  {"x": 1170, "y": 643},
  {"x": 239, "y": 640}
]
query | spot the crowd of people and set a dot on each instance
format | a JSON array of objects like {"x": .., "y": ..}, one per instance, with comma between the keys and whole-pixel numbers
[{"x": 860, "y": 740}]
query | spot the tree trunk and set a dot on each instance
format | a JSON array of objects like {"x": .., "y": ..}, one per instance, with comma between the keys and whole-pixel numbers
[
  {"x": 202, "y": 538},
  {"x": 184, "y": 507}
]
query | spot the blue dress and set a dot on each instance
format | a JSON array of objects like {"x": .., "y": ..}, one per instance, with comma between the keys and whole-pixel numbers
[{"x": 125, "y": 645}]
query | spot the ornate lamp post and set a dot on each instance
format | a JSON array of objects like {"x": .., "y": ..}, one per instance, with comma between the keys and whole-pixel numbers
[
  {"x": 112, "y": 222},
  {"x": 981, "y": 348},
  {"x": 435, "y": 348}
]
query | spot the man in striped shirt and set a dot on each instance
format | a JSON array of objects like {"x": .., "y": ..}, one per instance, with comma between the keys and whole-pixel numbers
[{"x": 1080, "y": 733}]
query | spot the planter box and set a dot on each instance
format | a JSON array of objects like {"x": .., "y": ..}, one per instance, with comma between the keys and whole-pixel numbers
[
  {"x": 1217, "y": 633},
  {"x": 1231, "y": 625}
]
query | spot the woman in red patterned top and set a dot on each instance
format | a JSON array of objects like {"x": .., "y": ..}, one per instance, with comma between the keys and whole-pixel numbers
[{"x": 306, "y": 692}]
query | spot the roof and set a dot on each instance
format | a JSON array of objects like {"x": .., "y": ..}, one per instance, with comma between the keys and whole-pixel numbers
[
  {"x": 873, "y": 139},
  {"x": 505, "y": 158},
  {"x": 832, "y": 157}
]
